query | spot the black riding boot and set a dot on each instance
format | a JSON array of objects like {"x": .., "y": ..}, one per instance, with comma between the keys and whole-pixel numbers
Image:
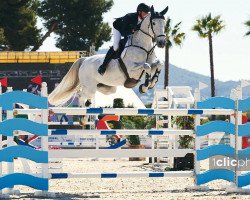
[{"x": 106, "y": 61}]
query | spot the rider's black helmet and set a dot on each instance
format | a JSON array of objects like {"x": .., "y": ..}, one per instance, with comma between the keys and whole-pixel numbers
[{"x": 143, "y": 7}]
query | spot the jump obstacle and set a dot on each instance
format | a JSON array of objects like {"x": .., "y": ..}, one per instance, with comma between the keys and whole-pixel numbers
[{"x": 40, "y": 181}]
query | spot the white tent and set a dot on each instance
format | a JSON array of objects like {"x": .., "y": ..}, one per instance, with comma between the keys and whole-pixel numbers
[{"x": 128, "y": 95}]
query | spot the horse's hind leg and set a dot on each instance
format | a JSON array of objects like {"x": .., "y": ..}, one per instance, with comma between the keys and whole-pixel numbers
[
  {"x": 105, "y": 89},
  {"x": 86, "y": 95}
]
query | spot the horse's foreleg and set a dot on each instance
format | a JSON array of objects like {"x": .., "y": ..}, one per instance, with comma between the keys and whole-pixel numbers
[
  {"x": 85, "y": 101},
  {"x": 144, "y": 87},
  {"x": 156, "y": 67}
]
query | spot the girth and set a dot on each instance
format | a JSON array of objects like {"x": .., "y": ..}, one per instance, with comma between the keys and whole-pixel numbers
[{"x": 130, "y": 82}]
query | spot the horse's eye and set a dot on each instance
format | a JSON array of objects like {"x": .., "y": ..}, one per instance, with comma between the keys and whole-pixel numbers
[{"x": 153, "y": 23}]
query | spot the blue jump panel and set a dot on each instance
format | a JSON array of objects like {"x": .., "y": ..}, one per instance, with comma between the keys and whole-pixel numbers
[
  {"x": 8, "y": 99},
  {"x": 8, "y": 126},
  {"x": 215, "y": 126},
  {"x": 215, "y": 174},
  {"x": 244, "y": 129},
  {"x": 11, "y": 180},
  {"x": 244, "y": 104},
  {"x": 8, "y": 154},
  {"x": 213, "y": 150},
  {"x": 245, "y": 152},
  {"x": 244, "y": 180},
  {"x": 216, "y": 102}
]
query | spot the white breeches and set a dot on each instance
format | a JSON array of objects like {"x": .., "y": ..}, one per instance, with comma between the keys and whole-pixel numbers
[{"x": 116, "y": 39}]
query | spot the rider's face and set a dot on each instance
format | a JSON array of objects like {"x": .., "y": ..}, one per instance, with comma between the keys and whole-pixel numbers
[{"x": 142, "y": 14}]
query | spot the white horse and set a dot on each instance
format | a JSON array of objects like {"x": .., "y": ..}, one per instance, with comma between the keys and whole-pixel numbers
[{"x": 138, "y": 59}]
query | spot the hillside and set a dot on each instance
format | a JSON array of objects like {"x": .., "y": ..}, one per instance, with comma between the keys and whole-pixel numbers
[{"x": 183, "y": 77}]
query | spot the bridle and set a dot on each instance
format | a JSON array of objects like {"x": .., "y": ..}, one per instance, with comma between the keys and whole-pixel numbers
[{"x": 152, "y": 28}]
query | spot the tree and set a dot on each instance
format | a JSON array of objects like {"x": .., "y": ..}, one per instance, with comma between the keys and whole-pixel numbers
[
  {"x": 18, "y": 29},
  {"x": 2, "y": 37},
  {"x": 173, "y": 37},
  {"x": 207, "y": 27},
  {"x": 247, "y": 23},
  {"x": 78, "y": 23}
]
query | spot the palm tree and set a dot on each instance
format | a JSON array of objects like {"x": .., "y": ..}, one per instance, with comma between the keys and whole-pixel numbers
[
  {"x": 247, "y": 23},
  {"x": 207, "y": 27},
  {"x": 173, "y": 36}
]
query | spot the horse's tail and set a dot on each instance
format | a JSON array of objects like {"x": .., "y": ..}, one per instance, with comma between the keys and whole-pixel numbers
[{"x": 68, "y": 86}]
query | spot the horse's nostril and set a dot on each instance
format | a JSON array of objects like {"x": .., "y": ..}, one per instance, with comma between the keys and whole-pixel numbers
[{"x": 161, "y": 43}]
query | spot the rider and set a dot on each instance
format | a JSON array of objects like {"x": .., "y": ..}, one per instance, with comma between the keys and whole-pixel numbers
[{"x": 124, "y": 26}]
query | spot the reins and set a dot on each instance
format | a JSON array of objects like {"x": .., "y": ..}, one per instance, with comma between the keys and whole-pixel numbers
[{"x": 148, "y": 52}]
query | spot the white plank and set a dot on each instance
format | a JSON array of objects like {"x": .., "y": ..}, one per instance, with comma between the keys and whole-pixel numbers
[{"x": 118, "y": 153}]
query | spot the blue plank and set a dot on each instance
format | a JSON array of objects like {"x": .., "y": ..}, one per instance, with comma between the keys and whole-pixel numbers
[
  {"x": 8, "y": 126},
  {"x": 215, "y": 174},
  {"x": 10, "y": 180},
  {"x": 195, "y": 112},
  {"x": 108, "y": 175},
  {"x": 8, "y": 99},
  {"x": 9, "y": 153},
  {"x": 155, "y": 132},
  {"x": 59, "y": 175},
  {"x": 94, "y": 111},
  {"x": 216, "y": 102},
  {"x": 156, "y": 174},
  {"x": 213, "y": 150},
  {"x": 146, "y": 111},
  {"x": 108, "y": 132},
  {"x": 59, "y": 132},
  {"x": 215, "y": 126}
]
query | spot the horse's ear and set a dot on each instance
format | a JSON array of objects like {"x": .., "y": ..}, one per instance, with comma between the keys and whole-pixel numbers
[
  {"x": 152, "y": 10},
  {"x": 164, "y": 11}
]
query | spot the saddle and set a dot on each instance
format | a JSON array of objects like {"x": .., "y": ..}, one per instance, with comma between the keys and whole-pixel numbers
[{"x": 122, "y": 44}]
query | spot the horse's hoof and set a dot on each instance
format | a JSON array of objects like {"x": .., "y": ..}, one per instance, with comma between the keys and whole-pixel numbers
[
  {"x": 143, "y": 89},
  {"x": 87, "y": 103},
  {"x": 83, "y": 121}
]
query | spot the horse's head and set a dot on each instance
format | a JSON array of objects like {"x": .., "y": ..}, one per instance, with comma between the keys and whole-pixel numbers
[{"x": 154, "y": 25}]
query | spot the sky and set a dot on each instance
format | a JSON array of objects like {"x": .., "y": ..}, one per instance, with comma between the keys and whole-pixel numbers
[{"x": 231, "y": 47}]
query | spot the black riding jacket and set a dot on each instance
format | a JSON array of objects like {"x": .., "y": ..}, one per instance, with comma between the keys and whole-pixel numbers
[{"x": 126, "y": 24}]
